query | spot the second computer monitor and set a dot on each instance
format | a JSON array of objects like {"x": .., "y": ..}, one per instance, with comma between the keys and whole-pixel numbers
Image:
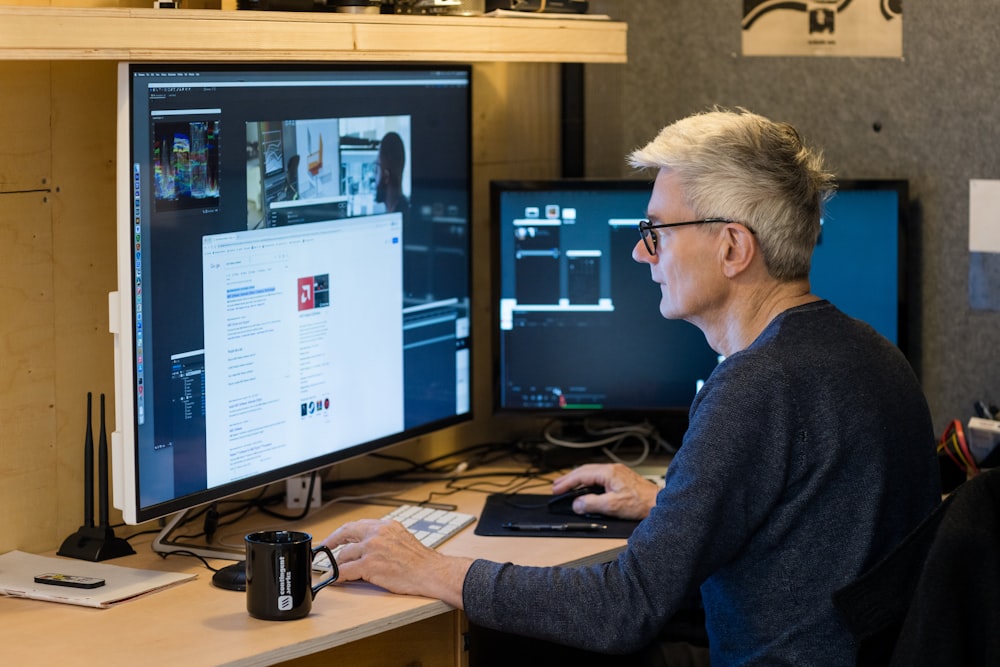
[
  {"x": 577, "y": 323},
  {"x": 578, "y": 326}
]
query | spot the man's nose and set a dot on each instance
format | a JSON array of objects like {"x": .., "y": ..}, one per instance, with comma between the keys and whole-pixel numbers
[{"x": 640, "y": 254}]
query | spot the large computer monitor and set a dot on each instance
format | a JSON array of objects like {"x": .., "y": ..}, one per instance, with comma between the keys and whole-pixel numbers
[
  {"x": 294, "y": 275},
  {"x": 576, "y": 323}
]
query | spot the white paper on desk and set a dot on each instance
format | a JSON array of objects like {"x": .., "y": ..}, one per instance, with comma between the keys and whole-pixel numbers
[{"x": 18, "y": 570}]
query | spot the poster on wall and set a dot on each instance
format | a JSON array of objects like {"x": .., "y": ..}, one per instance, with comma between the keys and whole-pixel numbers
[{"x": 859, "y": 28}]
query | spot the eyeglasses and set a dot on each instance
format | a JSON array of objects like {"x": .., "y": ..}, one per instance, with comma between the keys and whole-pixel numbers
[{"x": 649, "y": 238}]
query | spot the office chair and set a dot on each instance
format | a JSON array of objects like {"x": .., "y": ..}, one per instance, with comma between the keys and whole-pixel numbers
[{"x": 935, "y": 600}]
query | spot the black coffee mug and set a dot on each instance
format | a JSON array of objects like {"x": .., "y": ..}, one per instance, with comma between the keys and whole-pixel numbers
[{"x": 279, "y": 574}]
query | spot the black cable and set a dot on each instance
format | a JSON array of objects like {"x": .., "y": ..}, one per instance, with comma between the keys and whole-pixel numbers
[
  {"x": 482, "y": 448},
  {"x": 182, "y": 552},
  {"x": 211, "y": 522}
]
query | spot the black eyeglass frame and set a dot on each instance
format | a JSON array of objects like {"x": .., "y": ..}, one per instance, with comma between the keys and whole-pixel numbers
[{"x": 649, "y": 238}]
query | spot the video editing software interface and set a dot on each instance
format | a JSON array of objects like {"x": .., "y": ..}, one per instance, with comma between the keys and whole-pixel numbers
[
  {"x": 291, "y": 306},
  {"x": 578, "y": 322},
  {"x": 579, "y": 326}
]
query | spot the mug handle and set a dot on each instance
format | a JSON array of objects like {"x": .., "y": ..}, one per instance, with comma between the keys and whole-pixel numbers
[{"x": 333, "y": 567}]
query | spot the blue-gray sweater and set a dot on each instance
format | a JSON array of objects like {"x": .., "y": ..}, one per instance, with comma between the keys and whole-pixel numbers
[{"x": 809, "y": 455}]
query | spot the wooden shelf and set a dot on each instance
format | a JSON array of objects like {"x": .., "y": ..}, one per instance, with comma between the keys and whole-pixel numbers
[{"x": 65, "y": 33}]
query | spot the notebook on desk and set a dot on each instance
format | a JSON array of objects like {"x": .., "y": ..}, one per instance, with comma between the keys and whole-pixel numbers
[{"x": 528, "y": 515}]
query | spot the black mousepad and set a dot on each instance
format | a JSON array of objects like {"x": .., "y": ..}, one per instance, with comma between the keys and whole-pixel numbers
[{"x": 502, "y": 509}]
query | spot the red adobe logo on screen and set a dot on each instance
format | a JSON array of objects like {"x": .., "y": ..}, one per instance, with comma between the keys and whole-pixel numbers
[{"x": 306, "y": 297}]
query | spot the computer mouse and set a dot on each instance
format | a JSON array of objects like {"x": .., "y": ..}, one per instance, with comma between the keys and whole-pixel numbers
[
  {"x": 562, "y": 503},
  {"x": 231, "y": 577}
]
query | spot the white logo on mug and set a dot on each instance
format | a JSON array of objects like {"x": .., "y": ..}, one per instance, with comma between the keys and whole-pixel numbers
[{"x": 284, "y": 603}]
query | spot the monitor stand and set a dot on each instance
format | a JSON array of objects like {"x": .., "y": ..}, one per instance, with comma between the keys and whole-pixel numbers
[
  {"x": 164, "y": 546},
  {"x": 231, "y": 577}
]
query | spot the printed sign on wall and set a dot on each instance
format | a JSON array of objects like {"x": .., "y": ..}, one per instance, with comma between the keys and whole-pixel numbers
[
  {"x": 984, "y": 244},
  {"x": 866, "y": 28}
]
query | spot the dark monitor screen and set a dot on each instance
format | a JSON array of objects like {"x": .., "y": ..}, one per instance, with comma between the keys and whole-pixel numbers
[
  {"x": 578, "y": 326},
  {"x": 576, "y": 320},
  {"x": 860, "y": 262},
  {"x": 294, "y": 275}
]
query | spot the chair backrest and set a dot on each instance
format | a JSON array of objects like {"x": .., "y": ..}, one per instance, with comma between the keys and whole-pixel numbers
[{"x": 935, "y": 600}]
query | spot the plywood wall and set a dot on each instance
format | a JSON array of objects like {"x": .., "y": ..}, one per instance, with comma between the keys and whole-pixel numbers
[
  {"x": 28, "y": 451},
  {"x": 57, "y": 266}
]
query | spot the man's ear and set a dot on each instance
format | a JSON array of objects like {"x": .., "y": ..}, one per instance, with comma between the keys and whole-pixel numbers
[{"x": 739, "y": 247}]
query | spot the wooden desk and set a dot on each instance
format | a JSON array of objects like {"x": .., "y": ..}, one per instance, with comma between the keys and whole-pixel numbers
[{"x": 196, "y": 623}]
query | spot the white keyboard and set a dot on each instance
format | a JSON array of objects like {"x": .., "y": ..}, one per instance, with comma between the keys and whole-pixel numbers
[{"x": 430, "y": 526}]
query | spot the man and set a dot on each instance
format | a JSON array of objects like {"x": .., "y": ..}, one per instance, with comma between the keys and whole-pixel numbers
[
  {"x": 809, "y": 453},
  {"x": 390, "y": 163}
]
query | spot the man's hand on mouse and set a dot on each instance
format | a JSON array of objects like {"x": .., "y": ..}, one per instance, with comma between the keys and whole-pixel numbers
[{"x": 627, "y": 494}]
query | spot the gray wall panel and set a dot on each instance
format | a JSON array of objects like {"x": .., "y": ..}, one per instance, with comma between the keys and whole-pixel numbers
[{"x": 936, "y": 110}]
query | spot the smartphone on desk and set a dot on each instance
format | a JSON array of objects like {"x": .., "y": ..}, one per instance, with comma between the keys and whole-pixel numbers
[{"x": 71, "y": 580}]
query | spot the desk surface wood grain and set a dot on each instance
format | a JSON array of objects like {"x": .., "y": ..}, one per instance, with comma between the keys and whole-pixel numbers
[{"x": 196, "y": 623}]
